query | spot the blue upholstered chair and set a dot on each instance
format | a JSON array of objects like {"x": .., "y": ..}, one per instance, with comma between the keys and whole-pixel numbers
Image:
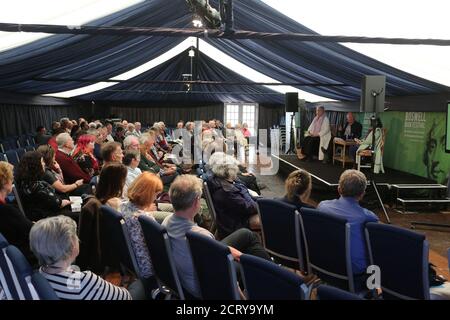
[
  {"x": 117, "y": 237},
  {"x": 265, "y": 280},
  {"x": 214, "y": 266},
  {"x": 12, "y": 157},
  {"x": 281, "y": 233},
  {"x": 158, "y": 244},
  {"x": 28, "y": 289},
  {"x": 402, "y": 257},
  {"x": 327, "y": 243},
  {"x": 332, "y": 293},
  {"x": 6, "y": 277}
]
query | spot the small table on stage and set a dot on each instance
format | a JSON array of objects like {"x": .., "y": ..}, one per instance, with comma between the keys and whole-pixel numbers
[{"x": 343, "y": 157}]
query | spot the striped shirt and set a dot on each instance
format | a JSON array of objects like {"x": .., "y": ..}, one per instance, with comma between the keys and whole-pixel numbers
[{"x": 84, "y": 285}]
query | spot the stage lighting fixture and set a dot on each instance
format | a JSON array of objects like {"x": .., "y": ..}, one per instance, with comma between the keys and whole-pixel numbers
[{"x": 209, "y": 15}]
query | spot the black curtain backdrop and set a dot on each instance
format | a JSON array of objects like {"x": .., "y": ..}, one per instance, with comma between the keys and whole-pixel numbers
[
  {"x": 270, "y": 115},
  {"x": 170, "y": 115},
  {"x": 20, "y": 119}
]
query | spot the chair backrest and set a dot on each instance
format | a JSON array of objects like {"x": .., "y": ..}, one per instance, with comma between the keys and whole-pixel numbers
[
  {"x": 18, "y": 200},
  {"x": 20, "y": 152},
  {"x": 332, "y": 293},
  {"x": 12, "y": 157},
  {"x": 212, "y": 258},
  {"x": 6, "y": 278},
  {"x": 209, "y": 201},
  {"x": 22, "y": 271},
  {"x": 115, "y": 237},
  {"x": 281, "y": 232},
  {"x": 158, "y": 244},
  {"x": 3, "y": 157},
  {"x": 327, "y": 243},
  {"x": 43, "y": 287},
  {"x": 29, "y": 148},
  {"x": 265, "y": 280},
  {"x": 402, "y": 257}
]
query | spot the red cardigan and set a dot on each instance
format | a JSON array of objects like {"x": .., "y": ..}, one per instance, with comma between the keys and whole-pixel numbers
[{"x": 71, "y": 170}]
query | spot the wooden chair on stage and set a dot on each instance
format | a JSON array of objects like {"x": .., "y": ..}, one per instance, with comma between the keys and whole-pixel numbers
[{"x": 367, "y": 153}]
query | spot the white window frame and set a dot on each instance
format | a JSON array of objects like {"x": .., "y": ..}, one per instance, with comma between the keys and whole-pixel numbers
[{"x": 241, "y": 114}]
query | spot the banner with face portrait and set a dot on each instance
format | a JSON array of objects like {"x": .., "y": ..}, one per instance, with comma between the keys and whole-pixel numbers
[{"x": 415, "y": 143}]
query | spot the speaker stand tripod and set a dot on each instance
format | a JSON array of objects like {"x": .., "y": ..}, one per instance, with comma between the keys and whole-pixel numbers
[
  {"x": 292, "y": 137},
  {"x": 373, "y": 123}
]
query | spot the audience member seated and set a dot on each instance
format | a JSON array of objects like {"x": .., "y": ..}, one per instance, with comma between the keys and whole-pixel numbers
[
  {"x": 120, "y": 135},
  {"x": 234, "y": 206},
  {"x": 70, "y": 169},
  {"x": 54, "y": 177},
  {"x": 318, "y": 135},
  {"x": 142, "y": 195},
  {"x": 41, "y": 136},
  {"x": 52, "y": 140},
  {"x": 160, "y": 141},
  {"x": 14, "y": 226},
  {"x": 55, "y": 243},
  {"x": 111, "y": 153},
  {"x": 84, "y": 155},
  {"x": 146, "y": 141},
  {"x": 131, "y": 142},
  {"x": 298, "y": 189},
  {"x": 352, "y": 186},
  {"x": 95, "y": 254},
  {"x": 131, "y": 160},
  {"x": 66, "y": 124},
  {"x": 109, "y": 132},
  {"x": 185, "y": 194},
  {"x": 100, "y": 137},
  {"x": 38, "y": 197}
]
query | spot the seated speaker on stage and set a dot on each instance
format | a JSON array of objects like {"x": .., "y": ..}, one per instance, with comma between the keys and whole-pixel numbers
[
  {"x": 365, "y": 145},
  {"x": 351, "y": 130},
  {"x": 317, "y": 136}
]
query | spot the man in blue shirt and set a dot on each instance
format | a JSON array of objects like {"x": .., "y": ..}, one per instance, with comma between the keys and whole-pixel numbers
[{"x": 352, "y": 186}]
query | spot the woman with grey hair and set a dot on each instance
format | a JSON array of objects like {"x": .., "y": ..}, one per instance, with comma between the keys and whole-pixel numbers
[
  {"x": 54, "y": 242},
  {"x": 234, "y": 206}
]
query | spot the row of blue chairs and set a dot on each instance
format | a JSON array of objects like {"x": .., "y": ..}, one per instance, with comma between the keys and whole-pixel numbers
[
  {"x": 13, "y": 156},
  {"x": 263, "y": 280},
  {"x": 17, "y": 279},
  {"x": 15, "y": 142},
  {"x": 319, "y": 243}
]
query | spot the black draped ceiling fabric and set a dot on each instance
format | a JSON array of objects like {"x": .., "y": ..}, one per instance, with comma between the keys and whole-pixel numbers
[
  {"x": 106, "y": 56},
  {"x": 173, "y": 69}
]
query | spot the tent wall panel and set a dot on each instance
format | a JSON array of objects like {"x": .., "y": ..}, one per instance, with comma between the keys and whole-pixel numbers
[{"x": 21, "y": 119}]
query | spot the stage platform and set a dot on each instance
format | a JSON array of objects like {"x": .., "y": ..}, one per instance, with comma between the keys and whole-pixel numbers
[{"x": 328, "y": 174}]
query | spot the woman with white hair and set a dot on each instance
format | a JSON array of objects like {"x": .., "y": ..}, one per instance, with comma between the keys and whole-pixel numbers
[
  {"x": 55, "y": 244},
  {"x": 234, "y": 206}
]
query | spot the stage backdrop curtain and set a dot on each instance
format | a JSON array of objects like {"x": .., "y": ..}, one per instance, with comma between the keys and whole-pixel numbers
[{"x": 19, "y": 119}]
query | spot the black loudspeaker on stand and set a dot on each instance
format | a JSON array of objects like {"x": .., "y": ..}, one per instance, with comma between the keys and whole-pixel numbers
[{"x": 291, "y": 103}]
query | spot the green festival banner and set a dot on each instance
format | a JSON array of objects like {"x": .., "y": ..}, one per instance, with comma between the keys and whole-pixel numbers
[{"x": 415, "y": 143}]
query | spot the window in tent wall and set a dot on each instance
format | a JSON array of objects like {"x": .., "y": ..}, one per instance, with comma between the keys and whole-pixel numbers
[{"x": 242, "y": 113}]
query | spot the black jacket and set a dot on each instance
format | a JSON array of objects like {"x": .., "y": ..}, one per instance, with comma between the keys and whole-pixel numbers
[
  {"x": 39, "y": 199},
  {"x": 356, "y": 130}
]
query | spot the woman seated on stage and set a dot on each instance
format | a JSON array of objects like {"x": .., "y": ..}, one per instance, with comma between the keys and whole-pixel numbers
[
  {"x": 366, "y": 144},
  {"x": 298, "y": 189}
]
